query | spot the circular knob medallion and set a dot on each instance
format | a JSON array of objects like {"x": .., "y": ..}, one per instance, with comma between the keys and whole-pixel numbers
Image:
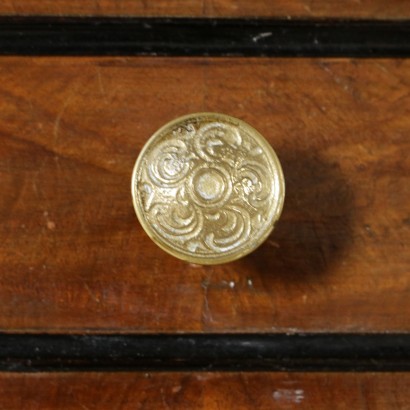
[{"x": 208, "y": 188}]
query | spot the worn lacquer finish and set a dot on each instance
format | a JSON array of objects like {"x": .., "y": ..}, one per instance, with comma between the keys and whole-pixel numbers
[
  {"x": 74, "y": 258},
  {"x": 208, "y": 391},
  {"x": 208, "y": 188}
]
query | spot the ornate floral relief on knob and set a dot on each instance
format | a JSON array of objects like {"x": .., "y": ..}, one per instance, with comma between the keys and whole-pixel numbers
[{"x": 208, "y": 188}]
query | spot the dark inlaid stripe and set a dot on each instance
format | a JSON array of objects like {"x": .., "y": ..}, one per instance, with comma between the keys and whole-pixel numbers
[
  {"x": 203, "y": 37},
  {"x": 234, "y": 352}
]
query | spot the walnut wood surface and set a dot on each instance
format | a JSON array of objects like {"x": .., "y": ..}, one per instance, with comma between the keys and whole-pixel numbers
[
  {"x": 74, "y": 258},
  {"x": 374, "y": 9},
  {"x": 205, "y": 391}
]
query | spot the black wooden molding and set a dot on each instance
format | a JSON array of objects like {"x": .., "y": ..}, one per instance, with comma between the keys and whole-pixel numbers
[
  {"x": 187, "y": 352},
  {"x": 89, "y": 36}
]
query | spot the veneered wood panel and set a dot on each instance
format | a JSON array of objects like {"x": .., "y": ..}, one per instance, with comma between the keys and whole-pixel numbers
[
  {"x": 74, "y": 258},
  {"x": 373, "y": 9},
  {"x": 209, "y": 391}
]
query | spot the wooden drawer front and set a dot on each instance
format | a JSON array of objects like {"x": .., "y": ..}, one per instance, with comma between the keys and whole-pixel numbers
[
  {"x": 205, "y": 391},
  {"x": 374, "y": 9},
  {"x": 74, "y": 258}
]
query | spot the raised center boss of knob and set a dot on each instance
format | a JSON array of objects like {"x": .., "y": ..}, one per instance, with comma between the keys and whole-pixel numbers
[{"x": 209, "y": 185}]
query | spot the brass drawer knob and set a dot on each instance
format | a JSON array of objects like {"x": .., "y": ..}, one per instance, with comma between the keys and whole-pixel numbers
[{"x": 208, "y": 188}]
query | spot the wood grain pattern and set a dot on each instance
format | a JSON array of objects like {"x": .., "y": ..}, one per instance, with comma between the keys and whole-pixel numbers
[
  {"x": 374, "y": 9},
  {"x": 74, "y": 258},
  {"x": 205, "y": 391}
]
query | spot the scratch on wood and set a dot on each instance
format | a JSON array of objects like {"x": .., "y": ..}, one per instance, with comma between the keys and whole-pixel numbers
[
  {"x": 164, "y": 402},
  {"x": 13, "y": 6},
  {"x": 363, "y": 396},
  {"x": 56, "y": 129},
  {"x": 308, "y": 6},
  {"x": 206, "y": 311},
  {"x": 382, "y": 68},
  {"x": 205, "y": 88},
  {"x": 97, "y": 7},
  {"x": 337, "y": 79},
  {"x": 81, "y": 221},
  {"x": 35, "y": 187},
  {"x": 100, "y": 83},
  {"x": 320, "y": 247},
  {"x": 93, "y": 296},
  {"x": 272, "y": 243},
  {"x": 124, "y": 395}
]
